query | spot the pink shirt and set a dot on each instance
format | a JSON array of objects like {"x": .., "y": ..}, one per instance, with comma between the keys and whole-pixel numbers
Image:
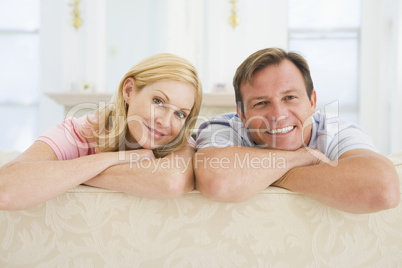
[{"x": 67, "y": 143}]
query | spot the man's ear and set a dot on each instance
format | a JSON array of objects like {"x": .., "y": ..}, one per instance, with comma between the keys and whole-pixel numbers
[
  {"x": 313, "y": 100},
  {"x": 241, "y": 114},
  {"x": 128, "y": 89}
]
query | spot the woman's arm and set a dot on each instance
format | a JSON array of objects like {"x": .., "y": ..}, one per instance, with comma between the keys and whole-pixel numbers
[
  {"x": 37, "y": 175},
  {"x": 168, "y": 177}
]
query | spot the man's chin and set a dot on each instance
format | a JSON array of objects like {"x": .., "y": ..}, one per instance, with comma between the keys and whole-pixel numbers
[{"x": 283, "y": 147}]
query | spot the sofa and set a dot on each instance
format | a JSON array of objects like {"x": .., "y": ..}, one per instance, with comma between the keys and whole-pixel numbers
[{"x": 91, "y": 227}]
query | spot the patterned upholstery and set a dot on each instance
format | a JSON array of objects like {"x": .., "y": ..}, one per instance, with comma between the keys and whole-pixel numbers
[{"x": 90, "y": 227}]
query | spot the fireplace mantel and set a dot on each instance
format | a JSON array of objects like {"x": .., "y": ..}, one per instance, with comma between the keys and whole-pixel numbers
[{"x": 79, "y": 103}]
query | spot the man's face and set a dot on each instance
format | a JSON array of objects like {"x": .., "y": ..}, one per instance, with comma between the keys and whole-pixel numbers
[{"x": 277, "y": 110}]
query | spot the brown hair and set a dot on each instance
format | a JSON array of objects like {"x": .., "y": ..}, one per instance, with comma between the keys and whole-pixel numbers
[{"x": 264, "y": 58}]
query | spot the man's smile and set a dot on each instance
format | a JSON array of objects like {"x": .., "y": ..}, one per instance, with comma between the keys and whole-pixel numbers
[{"x": 281, "y": 130}]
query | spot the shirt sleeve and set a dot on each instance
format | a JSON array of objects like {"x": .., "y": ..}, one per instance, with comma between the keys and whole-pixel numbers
[
  {"x": 217, "y": 133},
  {"x": 66, "y": 141},
  {"x": 344, "y": 136},
  {"x": 191, "y": 142},
  {"x": 349, "y": 139}
]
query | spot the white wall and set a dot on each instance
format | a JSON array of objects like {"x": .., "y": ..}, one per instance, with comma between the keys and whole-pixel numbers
[
  {"x": 103, "y": 49},
  {"x": 381, "y": 73},
  {"x": 134, "y": 30},
  {"x": 70, "y": 57},
  {"x": 50, "y": 62},
  {"x": 262, "y": 24},
  {"x": 116, "y": 34},
  {"x": 396, "y": 133},
  {"x": 197, "y": 30}
]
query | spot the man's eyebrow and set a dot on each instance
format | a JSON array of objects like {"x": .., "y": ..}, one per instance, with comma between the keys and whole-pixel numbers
[
  {"x": 292, "y": 90},
  {"x": 286, "y": 92},
  {"x": 257, "y": 98}
]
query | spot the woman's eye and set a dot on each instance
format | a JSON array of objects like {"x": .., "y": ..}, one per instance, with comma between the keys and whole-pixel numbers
[
  {"x": 181, "y": 115},
  {"x": 157, "y": 101}
]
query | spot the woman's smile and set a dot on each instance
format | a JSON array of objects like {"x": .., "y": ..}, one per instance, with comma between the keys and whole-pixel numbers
[
  {"x": 155, "y": 133},
  {"x": 158, "y": 111}
]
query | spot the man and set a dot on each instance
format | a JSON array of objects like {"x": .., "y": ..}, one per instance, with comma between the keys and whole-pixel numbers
[{"x": 276, "y": 138}]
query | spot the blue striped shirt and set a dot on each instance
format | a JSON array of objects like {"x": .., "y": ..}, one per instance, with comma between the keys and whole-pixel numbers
[{"x": 330, "y": 135}]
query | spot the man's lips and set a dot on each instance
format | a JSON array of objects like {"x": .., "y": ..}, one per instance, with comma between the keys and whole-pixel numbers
[{"x": 281, "y": 130}]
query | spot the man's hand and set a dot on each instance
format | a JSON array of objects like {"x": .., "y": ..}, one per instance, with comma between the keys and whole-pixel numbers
[
  {"x": 236, "y": 173},
  {"x": 318, "y": 156},
  {"x": 312, "y": 157}
]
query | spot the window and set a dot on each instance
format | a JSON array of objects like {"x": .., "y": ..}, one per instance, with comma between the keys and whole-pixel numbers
[
  {"x": 19, "y": 73},
  {"x": 327, "y": 34}
]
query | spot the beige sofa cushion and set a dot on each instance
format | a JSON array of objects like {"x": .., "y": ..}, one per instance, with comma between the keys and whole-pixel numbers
[{"x": 90, "y": 227}]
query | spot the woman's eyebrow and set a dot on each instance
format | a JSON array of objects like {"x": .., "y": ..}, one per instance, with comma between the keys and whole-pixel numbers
[
  {"x": 163, "y": 94},
  {"x": 167, "y": 98}
]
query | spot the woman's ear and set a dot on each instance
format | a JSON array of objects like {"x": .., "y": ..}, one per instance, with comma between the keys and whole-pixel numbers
[{"x": 128, "y": 89}]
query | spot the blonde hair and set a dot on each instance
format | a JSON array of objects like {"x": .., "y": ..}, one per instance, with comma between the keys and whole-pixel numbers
[{"x": 110, "y": 128}]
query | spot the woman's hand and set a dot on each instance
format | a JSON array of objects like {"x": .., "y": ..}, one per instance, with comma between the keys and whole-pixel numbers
[
  {"x": 132, "y": 156},
  {"x": 168, "y": 177}
]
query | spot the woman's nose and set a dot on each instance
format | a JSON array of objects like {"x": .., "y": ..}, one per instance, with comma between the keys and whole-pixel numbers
[{"x": 163, "y": 118}]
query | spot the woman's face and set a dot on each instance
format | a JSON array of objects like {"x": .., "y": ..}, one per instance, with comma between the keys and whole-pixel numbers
[{"x": 157, "y": 113}]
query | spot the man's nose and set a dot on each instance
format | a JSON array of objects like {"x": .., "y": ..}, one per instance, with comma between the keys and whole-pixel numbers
[{"x": 277, "y": 112}]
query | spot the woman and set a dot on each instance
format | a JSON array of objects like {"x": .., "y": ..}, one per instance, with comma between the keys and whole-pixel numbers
[{"x": 139, "y": 144}]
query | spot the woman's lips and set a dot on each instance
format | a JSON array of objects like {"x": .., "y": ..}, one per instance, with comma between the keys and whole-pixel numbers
[{"x": 156, "y": 133}]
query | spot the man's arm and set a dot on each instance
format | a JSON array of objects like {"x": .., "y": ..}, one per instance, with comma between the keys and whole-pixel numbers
[
  {"x": 236, "y": 173},
  {"x": 362, "y": 181}
]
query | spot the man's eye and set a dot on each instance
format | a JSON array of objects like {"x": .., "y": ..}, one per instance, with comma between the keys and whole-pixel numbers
[
  {"x": 260, "y": 103},
  {"x": 181, "y": 115},
  {"x": 289, "y": 97},
  {"x": 157, "y": 101}
]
